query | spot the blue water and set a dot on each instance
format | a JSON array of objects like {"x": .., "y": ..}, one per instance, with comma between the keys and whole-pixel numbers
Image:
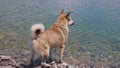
[{"x": 97, "y": 22}]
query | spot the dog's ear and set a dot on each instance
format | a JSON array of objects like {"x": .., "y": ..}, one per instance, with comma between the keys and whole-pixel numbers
[
  {"x": 68, "y": 15},
  {"x": 62, "y": 12}
]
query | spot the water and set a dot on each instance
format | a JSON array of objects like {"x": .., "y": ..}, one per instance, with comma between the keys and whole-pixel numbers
[{"x": 97, "y": 22}]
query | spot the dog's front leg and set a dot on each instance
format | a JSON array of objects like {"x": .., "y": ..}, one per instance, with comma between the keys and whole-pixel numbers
[
  {"x": 61, "y": 53},
  {"x": 50, "y": 56}
]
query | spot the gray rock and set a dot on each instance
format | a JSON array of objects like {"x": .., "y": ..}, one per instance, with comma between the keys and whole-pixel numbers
[
  {"x": 6, "y": 67},
  {"x": 8, "y": 62},
  {"x": 3, "y": 57},
  {"x": 62, "y": 65}
]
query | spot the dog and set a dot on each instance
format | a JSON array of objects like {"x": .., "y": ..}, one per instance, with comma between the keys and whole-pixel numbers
[{"x": 56, "y": 36}]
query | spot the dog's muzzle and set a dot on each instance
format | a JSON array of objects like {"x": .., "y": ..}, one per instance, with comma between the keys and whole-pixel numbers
[{"x": 72, "y": 24}]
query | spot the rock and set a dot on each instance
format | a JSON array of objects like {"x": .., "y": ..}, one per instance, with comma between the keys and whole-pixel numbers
[
  {"x": 62, "y": 65},
  {"x": 53, "y": 65},
  {"x": 6, "y": 67},
  {"x": 8, "y": 62},
  {"x": 2, "y": 57}
]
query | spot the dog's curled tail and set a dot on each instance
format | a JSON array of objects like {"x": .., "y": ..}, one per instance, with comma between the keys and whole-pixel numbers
[{"x": 36, "y": 29}]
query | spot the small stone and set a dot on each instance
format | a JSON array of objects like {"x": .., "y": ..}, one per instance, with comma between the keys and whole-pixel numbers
[
  {"x": 2, "y": 57},
  {"x": 6, "y": 67},
  {"x": 53, "y": 64},
  {"x": 17, "y": 65},
  {"x": 63, "y": 65},
  {"x": 24, "y": 59},
  {"x": 13, "y": 60},
  {"x": 45, "y": 65}
]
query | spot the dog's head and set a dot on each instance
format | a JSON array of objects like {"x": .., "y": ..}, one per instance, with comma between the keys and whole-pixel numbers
[{"x": 67, "y": 17}]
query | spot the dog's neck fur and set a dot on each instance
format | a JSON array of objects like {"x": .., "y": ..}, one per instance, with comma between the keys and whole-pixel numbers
[
  {"x": 62, "y": 22},
  {"x": 61, "y": 25}
]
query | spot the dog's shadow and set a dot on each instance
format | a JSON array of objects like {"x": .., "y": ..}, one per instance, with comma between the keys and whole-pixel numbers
[{"x": 37, "y": 62}]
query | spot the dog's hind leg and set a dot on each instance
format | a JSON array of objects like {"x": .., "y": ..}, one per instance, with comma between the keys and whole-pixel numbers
[
  {"x": 45, "y": 55},
  {"x": 50, "y": 56},
  {"x": 61, "y": 53}
]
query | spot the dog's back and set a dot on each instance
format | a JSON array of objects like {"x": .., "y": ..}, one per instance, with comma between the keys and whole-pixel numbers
[{"x": 54, "y": 36}]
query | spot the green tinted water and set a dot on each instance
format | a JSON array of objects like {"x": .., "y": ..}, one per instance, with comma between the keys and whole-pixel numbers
[{"x": 97, "y": 22}]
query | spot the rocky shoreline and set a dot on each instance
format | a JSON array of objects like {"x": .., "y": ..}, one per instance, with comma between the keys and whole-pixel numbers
[
  {"x": 19, "y": 58},
  {"x": 9, "y": 62}
]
